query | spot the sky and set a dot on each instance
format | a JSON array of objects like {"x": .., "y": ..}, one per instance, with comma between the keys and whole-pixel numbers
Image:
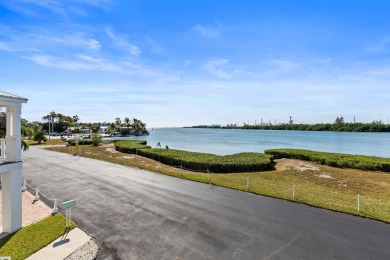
[{"x": 188, "y": 62}]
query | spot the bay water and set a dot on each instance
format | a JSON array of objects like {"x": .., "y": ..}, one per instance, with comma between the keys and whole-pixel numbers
[{"x": 230, "y": 141}]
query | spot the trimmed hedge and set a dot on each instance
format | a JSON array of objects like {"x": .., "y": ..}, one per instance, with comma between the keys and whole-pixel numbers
[
  {"x": 130, "y": 146},
  {"x": 242, "y": 162},
  {"x": 72, "y": 142},
  {"x": 361, "y": 162}
]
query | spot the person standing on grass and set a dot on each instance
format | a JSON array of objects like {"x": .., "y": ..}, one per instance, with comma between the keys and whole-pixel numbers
[{"x": 158, "y": 145}]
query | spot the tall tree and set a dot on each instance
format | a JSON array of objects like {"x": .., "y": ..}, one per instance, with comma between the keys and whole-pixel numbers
[{"x": 118, "y": 124}]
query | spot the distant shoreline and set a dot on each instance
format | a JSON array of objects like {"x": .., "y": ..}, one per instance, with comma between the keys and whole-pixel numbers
[{"x": 374, "y": 127}]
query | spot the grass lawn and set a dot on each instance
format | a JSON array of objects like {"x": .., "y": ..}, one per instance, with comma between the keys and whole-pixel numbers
[
  {"x": 56, "y": 141},
  {"x": 32, "y": 238},
  {"x": 317, "y": 185}
]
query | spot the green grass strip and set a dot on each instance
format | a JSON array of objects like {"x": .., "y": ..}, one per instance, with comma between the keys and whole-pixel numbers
[{"x": 30, "y": 239}]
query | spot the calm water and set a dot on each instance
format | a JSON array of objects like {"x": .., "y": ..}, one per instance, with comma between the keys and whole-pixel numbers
[{"x": 229, "y": 141}]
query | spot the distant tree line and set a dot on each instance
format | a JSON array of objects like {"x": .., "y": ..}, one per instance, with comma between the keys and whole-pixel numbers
[
  {"x": 339, "y": 125},
  {"x": 59, "y": 123},
  {"x": 127, "y": 127}
]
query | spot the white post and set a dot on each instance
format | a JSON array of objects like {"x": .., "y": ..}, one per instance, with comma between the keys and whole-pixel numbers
[
  {"x": 2, "y": 147},
  {"x": 68, "y": 217},
  {"x": 247, "y": 183},
  {"x": 293, "y": 192},
  {"x": 55, "y": 207},
  {"x": 24, "y": 188},
  {"x": 13, "y": 134},
  {"x": 12, "y": 201},
  {"x": 358, "y": 205},
  {"x": 36, "y": 194}
]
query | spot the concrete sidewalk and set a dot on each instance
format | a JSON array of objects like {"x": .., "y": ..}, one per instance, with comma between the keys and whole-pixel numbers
[{"x": 63, "y": 246}]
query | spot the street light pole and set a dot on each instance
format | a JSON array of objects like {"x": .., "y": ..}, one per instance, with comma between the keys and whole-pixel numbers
[{"x": 49, "y": 128}]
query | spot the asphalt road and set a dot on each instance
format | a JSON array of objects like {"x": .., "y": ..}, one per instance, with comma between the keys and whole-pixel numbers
[{"x": 136, "y": 214}]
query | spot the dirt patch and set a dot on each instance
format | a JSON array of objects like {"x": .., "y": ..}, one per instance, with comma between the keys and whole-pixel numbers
[
  {"x": 325, "y": 176},
  {"x": 290, "y": 164},
  {"x": 128, "y": 157},
  {"x": 111, "y": 150}
]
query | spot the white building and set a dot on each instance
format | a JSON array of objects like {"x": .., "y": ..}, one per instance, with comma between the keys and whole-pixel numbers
[{"x": 11, "y": 163}]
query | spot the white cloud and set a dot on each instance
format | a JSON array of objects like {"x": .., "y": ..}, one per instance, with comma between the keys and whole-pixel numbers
[
  {"x": 120, "y": 40},
  {"x": 222, "y": 68},
  {"x": 284, "y": 65},
  {"x": 213, "y": 67},
  {"x": 326, "y": 61},
  {"x": 81, "y": 62},
  {"x": 78, "y": 40},
  {"x": 60, "y": 7},
  {"x": 187, "y": 63},
  {"x": 381, "y": 46},
  {"x": 89, "y": 63},
  {"x": 208, "y": 31},
  {"x": 5, "y": 46},
  {"x": 32, "y": 39}
]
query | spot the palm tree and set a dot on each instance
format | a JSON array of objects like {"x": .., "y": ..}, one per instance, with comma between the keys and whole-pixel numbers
[
  {"x": 118, "y": 124},
  {"x": 75, "y": 119},
  {"x": 127, "y": 121},
  {"x": 39, "y": 137}
]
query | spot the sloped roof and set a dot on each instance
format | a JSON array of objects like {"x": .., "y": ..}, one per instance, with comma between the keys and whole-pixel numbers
[{"x": 12, "y": 96}]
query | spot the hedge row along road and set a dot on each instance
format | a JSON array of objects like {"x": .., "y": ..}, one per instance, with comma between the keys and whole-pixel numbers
[
  {"x": 241, "y": 162},
  {"x": 360, "y": 162}
]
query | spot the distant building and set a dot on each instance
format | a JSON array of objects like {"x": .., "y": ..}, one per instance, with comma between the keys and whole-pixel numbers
[
  {"x": 102, "y": 129},
  {"x": 290, "y": 122}
]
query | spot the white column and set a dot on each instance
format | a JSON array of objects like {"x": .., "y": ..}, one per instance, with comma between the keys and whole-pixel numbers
[
  {"x": 12, "y": 201},
  {"x": 14, "y": 132}
]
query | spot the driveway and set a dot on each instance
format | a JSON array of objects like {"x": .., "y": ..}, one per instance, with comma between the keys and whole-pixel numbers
[{"x": 136, "y": 214}]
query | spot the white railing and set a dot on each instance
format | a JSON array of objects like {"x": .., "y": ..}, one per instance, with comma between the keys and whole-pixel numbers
[{"x": 7, "y": 149}]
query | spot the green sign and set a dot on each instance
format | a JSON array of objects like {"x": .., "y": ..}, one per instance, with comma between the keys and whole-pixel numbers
[{"x": 68, "y": 204}]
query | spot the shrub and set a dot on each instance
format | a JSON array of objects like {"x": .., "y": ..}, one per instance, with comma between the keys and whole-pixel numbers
[
  {"x": 81, "y": 142},
  {"x": 361, "y": 162},
  {"x": 96, "y": 139},
  {"x": 130, "y": 146},
  {"x": 40, "y": 137},
  {"x": 242, "y": 162}
]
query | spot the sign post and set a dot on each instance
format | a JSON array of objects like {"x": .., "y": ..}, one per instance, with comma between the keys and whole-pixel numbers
[
  {"x": 76, "y": 140},
  {"x": 68, "y": 211}
]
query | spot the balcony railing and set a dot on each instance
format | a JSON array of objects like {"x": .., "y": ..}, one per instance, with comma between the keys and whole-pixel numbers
[{"x": 7, "y": 150}]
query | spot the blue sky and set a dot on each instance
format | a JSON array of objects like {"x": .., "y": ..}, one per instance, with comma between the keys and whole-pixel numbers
[{"x": 183, "y": 63}]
